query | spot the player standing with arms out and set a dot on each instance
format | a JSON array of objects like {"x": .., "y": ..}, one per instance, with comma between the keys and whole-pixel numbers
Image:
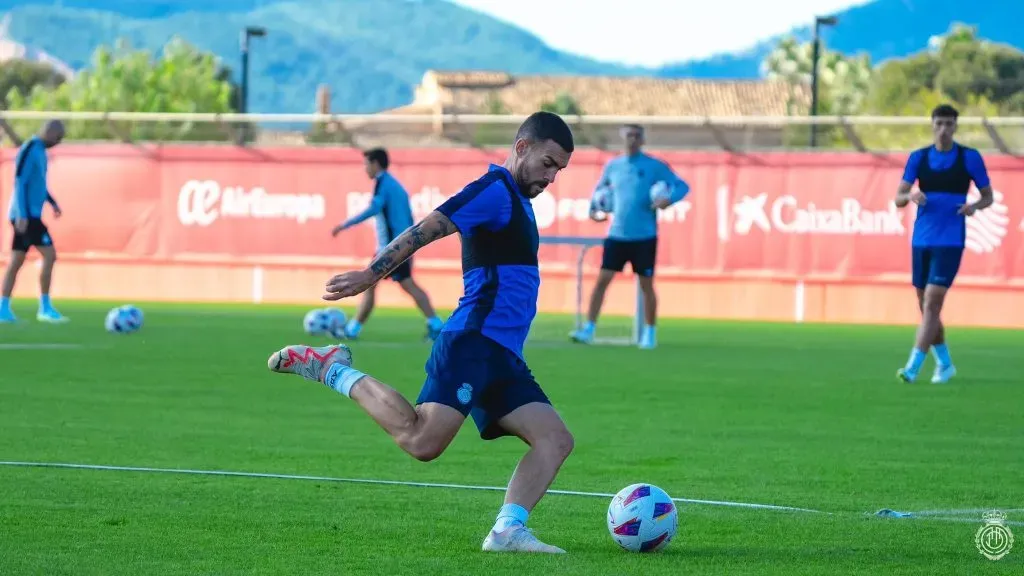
[
  {"x": 944, "y": 172},
  {"x": 391, "y": 206},
  {"x": 26, "y": 216},
  {"x": 633, "y": 234},
  {"x": 476, "y": 366}
]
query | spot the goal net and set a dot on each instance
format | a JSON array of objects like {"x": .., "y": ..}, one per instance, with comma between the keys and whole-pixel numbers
[{"x": 568, "y": 271}]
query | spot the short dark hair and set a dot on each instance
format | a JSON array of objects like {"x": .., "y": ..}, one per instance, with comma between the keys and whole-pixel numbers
[
  {"x": 945, "y": 111},
  {"x": 636, "y": 127},
  {"x": 541, "y": 126},
  {"x": 378, "y": 155}
]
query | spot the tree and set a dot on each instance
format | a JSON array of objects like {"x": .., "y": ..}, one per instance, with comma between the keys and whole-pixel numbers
[
  {"x": 843, "y": 83},
  {"x": 181, "y": 79},
  {"x": 979, "y": 77},
  {"x": 564, "y": 104},
  {"x": 959, "y": 65},
  {"x": 24, "y": 75},
  {"x": 921, "y": 103},
  {"x": 485, "y": 133},
  {"x": 494, "y": 105}
]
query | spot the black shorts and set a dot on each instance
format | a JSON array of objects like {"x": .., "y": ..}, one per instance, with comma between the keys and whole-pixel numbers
[
  {"x": 641, "y": 255},
  {"x": 35, "y": 234},
  {"x": 403, "y": 271}
]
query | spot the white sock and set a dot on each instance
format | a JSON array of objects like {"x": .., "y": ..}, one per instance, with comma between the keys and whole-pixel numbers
[
  {"x": 510, "y": 515},
  {"x": 341, "y": 378}
]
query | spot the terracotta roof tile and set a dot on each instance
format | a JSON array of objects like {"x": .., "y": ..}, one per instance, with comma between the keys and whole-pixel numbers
[{"x": 476, "y": 92}]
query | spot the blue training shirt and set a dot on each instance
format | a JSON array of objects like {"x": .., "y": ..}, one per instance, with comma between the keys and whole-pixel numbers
[
  {"x": 391, "y": 206},
  {"x": 499, "y": 245},
  {"x": 630, "y": 179},
  {"x": 938, "y": 223},
  {"x": 30, "y": 193}
]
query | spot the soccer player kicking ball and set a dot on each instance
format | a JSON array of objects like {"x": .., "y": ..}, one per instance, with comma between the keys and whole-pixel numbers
[
  {"x": 391, "y": 206},
  {"x": 476, "y": 366},
  {"x": 944, "y": 172},
  {"x": 633, "y": 235}
]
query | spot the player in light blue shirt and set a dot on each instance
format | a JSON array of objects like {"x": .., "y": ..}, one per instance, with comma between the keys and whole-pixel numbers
[
  {"x": 476, "y": 367},
  {"x": 391, "y": 207},
  {"x": 944, "y": 172},
  {"x": 25, "y": 212},
  {"x": 633, "y": 234}
]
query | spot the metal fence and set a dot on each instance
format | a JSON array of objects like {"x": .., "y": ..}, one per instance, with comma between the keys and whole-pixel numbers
[{"x": 735, "y": 134}]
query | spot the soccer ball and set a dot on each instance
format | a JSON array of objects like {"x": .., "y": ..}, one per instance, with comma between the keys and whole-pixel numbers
[
  {"x": 124, "y": 320},
  {"x": 318, "y": 322},
  {"x": 659, "y": 190},
  {"x": 338, "y": 320},
  {"x": 603, "y": 199},
  {"x": 642, "y": 518}
]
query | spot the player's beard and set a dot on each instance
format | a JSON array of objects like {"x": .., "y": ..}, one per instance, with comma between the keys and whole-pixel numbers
[
  {"x": 524, "y": 184},
  {"x": 535, "y": 188}
]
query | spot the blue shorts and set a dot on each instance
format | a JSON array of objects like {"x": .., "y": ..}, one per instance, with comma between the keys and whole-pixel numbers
[
  {"x": 480, "y": 378},
  {"x": 936, "y": 265}
]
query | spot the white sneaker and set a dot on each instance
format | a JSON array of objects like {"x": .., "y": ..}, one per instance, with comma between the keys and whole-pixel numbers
[
  {"x": 518, "y": 538},
  {"x": 51, "y": 316},
  {"x": 309, "y": 362},
  {"x": 943, "y": 374}
]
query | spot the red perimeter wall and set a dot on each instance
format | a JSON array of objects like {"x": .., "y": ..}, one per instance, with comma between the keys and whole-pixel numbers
[{"x": 778, "y": 236}]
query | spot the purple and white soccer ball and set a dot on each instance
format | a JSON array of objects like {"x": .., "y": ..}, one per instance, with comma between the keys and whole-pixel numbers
[
  {"x": 317, "y": 322},
  {"x": 125, "y": 319},
  {"x": 325, "y": 322},
  {"x": 642, "y": 518},
  {"x": 338, "y": 320}
]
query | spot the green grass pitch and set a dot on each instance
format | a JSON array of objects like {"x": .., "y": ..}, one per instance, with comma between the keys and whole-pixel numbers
[{"x": 796, "y": 415}]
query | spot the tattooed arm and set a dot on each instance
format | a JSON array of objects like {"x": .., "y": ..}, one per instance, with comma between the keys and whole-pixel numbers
[
  {"x": 434, "y": 227},
  {"x": 482, "y": 204}
]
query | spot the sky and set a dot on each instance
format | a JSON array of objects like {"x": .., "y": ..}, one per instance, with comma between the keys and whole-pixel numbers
[{"x": 655, "y": 32}]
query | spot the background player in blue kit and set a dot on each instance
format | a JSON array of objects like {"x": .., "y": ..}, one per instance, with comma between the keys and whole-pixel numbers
[
  {"x": 944, "y": 172},
  {"x": 476, "y": 366},
  {"x": 391, "y": 206},
  {"x": 633, "y": 234},
  {"x": 25, "y": 212}
]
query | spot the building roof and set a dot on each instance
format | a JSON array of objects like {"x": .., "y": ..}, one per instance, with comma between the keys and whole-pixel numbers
[{"x": 465, "y": 92}]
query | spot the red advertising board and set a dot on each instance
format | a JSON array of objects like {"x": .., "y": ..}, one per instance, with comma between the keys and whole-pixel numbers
[{"x": 820, "y": 217}]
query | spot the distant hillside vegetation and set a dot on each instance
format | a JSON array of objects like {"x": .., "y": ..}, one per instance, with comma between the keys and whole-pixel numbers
[{"x": 371, "y": 57}]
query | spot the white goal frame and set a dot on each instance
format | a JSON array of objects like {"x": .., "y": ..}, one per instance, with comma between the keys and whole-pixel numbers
[{"x": 585, "y": 243}]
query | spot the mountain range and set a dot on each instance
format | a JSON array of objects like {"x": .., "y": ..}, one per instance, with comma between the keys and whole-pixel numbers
[{"x": 371, "y": 55}]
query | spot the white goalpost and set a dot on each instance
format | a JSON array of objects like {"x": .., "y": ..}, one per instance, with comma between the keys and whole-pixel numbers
[{"x": 610, "y": 330}]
